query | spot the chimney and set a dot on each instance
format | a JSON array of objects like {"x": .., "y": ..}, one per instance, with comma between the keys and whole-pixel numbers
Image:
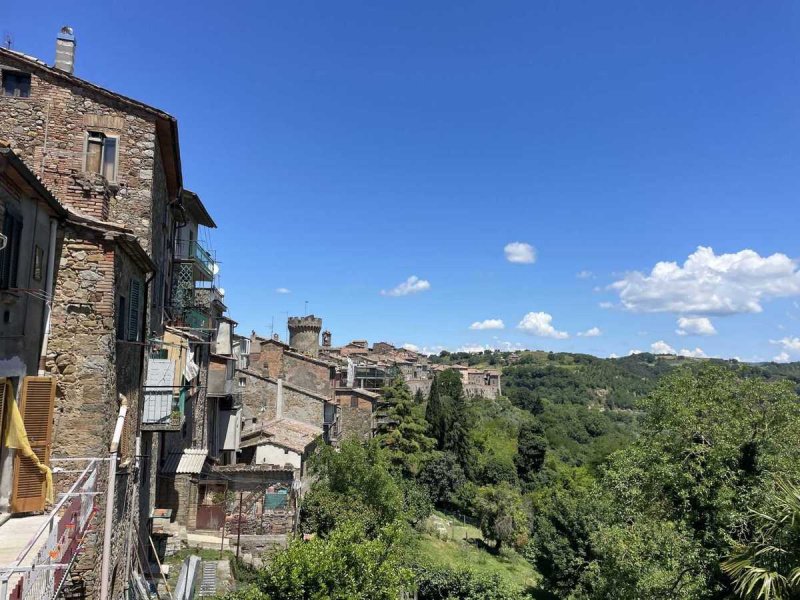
[{"x": 65, "y": 50}]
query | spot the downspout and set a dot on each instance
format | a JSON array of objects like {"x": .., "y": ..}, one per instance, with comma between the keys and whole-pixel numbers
[
  {"x": 110, "y": 487},
  {"x": 48, "y": 293}
]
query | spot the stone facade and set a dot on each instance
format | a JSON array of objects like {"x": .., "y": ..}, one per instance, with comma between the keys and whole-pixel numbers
[
  {"x": 48, "y": 130},
  {"x": 304, "y": 334},
  {"x": 356, "y": 408},
  {"x": 260, "y": 398}
]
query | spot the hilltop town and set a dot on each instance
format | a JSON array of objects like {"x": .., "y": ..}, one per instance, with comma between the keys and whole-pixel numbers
[{"x": 151, "y": 448}]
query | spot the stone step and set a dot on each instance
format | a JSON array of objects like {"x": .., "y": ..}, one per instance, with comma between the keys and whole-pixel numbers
[{"x": 208, "y": 583}]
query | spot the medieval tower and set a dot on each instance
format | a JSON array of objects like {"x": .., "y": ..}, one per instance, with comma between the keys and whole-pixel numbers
[{"x": 304, "y": 334}]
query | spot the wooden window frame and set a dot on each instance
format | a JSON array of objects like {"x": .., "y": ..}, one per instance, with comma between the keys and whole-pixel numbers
[{"x": 93, "y": 134}]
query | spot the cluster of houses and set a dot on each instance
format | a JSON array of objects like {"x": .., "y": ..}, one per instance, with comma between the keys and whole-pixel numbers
[{"x": 132, "y": 411}]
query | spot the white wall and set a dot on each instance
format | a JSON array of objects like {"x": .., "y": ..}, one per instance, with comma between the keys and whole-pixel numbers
[{"x": 273, "y": 455}]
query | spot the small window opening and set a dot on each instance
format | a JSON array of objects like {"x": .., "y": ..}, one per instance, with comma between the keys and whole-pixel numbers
[
  {"x": 16, "y": 84},
  {"x": 101, "y": 155}
]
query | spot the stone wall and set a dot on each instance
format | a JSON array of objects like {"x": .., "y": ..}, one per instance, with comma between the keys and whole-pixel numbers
[
  {"x": 65, "y": 112},
  {"x": 260, "y": 397},
  {"x": 276, "y": 361},
  {"x": 82, "y": 345}
]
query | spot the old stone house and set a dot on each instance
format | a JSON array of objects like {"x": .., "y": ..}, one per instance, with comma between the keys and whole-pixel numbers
[
  {"x": 114, "y": 162},
  {"x": 31, "y": 219}
]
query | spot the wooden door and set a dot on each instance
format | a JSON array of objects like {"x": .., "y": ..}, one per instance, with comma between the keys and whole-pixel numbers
[{"x": 36, "y": 403}]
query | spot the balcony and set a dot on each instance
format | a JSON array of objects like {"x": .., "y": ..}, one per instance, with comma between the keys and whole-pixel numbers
[
  {"x": 202, "y": 262},
  {"x": 162, "y": 410}
]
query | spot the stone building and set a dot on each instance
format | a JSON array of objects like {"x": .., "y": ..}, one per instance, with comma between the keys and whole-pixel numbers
[
  {"x": 31, "y": 218},
  {"x": 114, "y": 163},
  {"x": 304, "y": 334}
]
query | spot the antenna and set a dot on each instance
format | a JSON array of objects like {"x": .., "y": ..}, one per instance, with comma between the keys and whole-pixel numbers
[
  {"x": 8, "y": 41},
  {"x": 306, "y": 308},
  {"x": 272, "y": 327}
]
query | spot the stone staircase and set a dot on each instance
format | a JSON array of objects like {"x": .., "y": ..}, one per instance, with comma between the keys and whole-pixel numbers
[{"x": 208, "y": 581}]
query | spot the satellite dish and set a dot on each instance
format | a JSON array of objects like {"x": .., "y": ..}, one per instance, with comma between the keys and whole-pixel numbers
[
  {"x": 221, "y": 291},
  {"x": 214, "y": 268}
]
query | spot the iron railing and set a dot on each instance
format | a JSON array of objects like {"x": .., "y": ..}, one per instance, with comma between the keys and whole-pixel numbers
[
  {"x": 41, "y": 575},
  {"x": 192, "y": 250}
]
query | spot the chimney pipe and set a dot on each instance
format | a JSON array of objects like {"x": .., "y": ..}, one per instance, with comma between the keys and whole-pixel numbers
[{"x": 65, "y": 50}]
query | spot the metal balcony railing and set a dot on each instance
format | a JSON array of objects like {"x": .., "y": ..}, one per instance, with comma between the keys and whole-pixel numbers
[
  {"x": 192, "y": 250},
  {"x": 40, "y": 574}
]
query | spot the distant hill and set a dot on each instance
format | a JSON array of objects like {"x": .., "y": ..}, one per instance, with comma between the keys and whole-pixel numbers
[{"x": 588, "y": 404}]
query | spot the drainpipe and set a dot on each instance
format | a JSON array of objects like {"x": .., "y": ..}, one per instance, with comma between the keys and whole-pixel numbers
[
  {"x": 48, "y": 291},
  {"x": 112, "y": 481}
]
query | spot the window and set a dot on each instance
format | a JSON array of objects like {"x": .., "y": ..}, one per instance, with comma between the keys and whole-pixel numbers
[
  {"x": 121, "y": 318},
  {"x": 16, "y": 84},
  {"x": 135, "y": 304},
  {"x": 9, "y": 256},
  {"x": 242, "y": 381},
  {"x": 101, "y": 155},
  {"x": 38, "y": 260},
  {"x": 353, "y": 402}
]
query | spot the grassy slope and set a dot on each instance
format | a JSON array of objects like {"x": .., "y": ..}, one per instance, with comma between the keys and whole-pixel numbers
[{"x": 455, "y": 552}]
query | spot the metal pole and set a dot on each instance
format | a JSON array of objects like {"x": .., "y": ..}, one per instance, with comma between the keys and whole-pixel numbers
[
  {"x": 105, "y": 567},
  {"x": 239, "y": 528},
  {"x": 106, "y": 564}
]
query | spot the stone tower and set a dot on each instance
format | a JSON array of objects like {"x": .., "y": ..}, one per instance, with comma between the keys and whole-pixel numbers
[{"x": 304, "y": 334}]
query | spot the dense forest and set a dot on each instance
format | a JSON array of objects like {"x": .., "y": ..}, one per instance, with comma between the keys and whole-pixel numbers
[{"x": 641, "y": 477}]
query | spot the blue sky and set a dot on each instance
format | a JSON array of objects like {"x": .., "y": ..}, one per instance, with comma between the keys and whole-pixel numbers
[{"x": 344, "y": 147}]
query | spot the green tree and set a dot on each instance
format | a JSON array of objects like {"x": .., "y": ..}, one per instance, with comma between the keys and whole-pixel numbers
[
  {"x": 449, "y": 417},
  {"x": 442, "y": 476},
  {"x": 352, "y": 483},
  {"x": 531, "y": 450},
  {"x": 419, "y": 397},
  {"x": 502, "y": 516},
  {"x": 401, "y": 429},
  {"x": 643, "y": 559},
  {"x": 347, "y": 565},
  {"x": 567, "y": 511},
  {"x": 768, "y": 567}
]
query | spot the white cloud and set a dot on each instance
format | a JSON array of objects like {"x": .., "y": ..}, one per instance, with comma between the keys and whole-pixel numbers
[
  {"x": 488, "y": 324},
  {"x": 695, "y": 326},
  {"x": 520, "y": 252},
  {"x": 696, "y": 353},
  {"x": 661, "y": 347},
  {"x": 606, "y": 305},
  {"x": 783, "y": 357},
  {"x": 412, "y": 285},
  {"x": 612, "y": 355},
  {"x": 474, "y": 349},
  {"x": 540, "y": 323},
  {"x": 584, "y": 275},
  {"x": 412, "y": 347},
  {"x": 789, "y": 344},
  {"x": 711, "y": 284},
  {"x": 283, "y": 291},
  {"x": 632, "y": 352},
  {"x": 593, "y": 332}
]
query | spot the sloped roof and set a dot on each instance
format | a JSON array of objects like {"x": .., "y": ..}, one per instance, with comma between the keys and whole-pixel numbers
[{"x": 285, "y": 433}]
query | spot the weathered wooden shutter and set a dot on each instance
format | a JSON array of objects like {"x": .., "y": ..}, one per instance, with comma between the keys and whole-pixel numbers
[
  {"x": 3, "y": 388},
  {"x": 36, "y": 403},
  {"x": 134, "y": 304}
]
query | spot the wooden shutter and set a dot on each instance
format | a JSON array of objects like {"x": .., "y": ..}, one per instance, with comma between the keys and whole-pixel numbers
[
  {"x": 3, "y": 389},
  {"x": 36, "y": 407},
  {"x": 134, "y": 304}
]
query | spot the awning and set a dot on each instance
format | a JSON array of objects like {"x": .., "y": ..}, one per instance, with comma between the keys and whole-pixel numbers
[{"x": 190, "y": 461}]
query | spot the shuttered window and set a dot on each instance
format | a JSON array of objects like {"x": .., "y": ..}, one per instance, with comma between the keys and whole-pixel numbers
[
  {"x": 36, "y": 407},
  {"x": 135, "y": 303},
  {"x": 9, "y": 256}
]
